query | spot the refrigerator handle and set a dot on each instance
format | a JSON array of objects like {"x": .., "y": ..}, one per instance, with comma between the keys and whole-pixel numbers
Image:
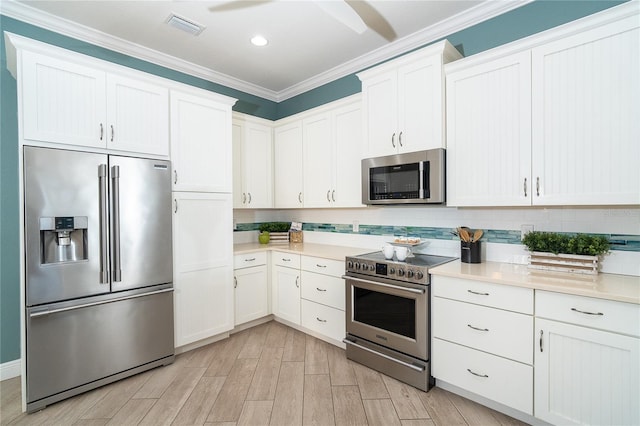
[
  {"x": 102, "y": 184},
  {"x": 115, "y": 223}
]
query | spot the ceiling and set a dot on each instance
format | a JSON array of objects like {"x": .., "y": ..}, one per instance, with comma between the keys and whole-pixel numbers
[{"x": 307, "y": 46}]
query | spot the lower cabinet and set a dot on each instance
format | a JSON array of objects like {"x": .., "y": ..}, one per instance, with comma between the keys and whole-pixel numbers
[
  {"x": 586, "y": 372},
  {"x": 285, "y": 281},
  {"x": 202, "y": 265},
  {"x": 251, "y": 287}
]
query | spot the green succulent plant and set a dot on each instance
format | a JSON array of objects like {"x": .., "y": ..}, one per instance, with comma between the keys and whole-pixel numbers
[
  {"x": 553, "y": 242},
  {"x": 275, "y": 227}
]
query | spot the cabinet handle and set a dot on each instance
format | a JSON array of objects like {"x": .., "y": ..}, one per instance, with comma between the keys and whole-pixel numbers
[
  {"x": 235, "y": 282},
  {"x": 175, "y": 177},
  {"x": 251, "y": 259},
  {"x": 249, "y": 194},
  {"x": 587, "y": 312},
  {"x": 538, "y": 186},
  {"x": 333, "y": 195},
  {"x": 476, "y": 328},
  {"x": 400, "y": 138},
  {"x": 525, "y": 187},
  {"x": 321, "y": 266},
  {"x": 286, "y": 260},
  {"x": 476, "y": 374},
  {"x": 328, "y": 198},
  {"x": 478, "y": 293},
  {"x": 244, "y": 198},
  {"x": 393, "y": 140},
  {"x": 321, "y": 320},
  {"x": 297, "y": 281},
  {"x": 112, "y": 133},
  {"x": 175, "y": 201},
  {"x": 101, "y": 131},
  {"x": 541, "y": 332},
  {"x": 300, "y": 197},
  {"x": 321, "y": 289}
]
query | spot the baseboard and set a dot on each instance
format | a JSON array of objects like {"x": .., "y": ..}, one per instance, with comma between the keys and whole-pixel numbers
[{"x": 9, "y": 370}]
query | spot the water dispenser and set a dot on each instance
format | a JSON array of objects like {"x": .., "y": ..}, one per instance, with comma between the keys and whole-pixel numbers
[{"x": 63, "y": 239}]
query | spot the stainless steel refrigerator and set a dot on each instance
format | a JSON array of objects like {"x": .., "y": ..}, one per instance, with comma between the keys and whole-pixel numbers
[{"x": 99, "y": 292}]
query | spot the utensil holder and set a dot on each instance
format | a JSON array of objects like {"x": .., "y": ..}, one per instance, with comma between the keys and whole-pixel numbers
[{"x": 470, "y": 252}]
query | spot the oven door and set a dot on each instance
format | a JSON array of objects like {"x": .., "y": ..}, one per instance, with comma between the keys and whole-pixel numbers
[{"x": 389, "y": 313}]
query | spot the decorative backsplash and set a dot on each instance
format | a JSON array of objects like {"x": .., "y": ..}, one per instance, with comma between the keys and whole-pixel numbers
[{"x": 618, "y": 241}]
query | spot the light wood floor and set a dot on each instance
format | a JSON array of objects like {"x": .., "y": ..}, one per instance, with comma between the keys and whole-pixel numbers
[{"x": 268, "y": 375}]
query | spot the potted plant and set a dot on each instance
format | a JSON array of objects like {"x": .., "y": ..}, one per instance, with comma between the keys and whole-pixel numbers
[
  {"x": 274, "y": 231},
  {"x": 567, "y": 253}
]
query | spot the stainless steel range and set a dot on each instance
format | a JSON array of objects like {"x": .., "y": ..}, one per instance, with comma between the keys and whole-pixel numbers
[{"x": 388, "y": 314}]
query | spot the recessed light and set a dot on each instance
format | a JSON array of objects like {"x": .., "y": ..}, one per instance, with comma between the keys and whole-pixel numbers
[
  {"x": 185, "y": 24},
  {"x": 258, "y": 40}
]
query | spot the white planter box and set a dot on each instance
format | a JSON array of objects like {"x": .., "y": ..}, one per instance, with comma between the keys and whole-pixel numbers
[
  {"x": 279, "y": 237},
  {"x": 574, "y": 263}
]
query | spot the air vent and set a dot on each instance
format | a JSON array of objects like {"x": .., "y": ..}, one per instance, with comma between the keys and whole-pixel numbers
[{"x": 185, "y": 25}]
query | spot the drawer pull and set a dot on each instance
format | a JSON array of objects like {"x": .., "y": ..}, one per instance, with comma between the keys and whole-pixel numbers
[
  {"x": 286, "y": 260},
  {"x": 586, "y": 312},
  {"x": 321, "y": 266},
  {"x": 251, "y": 259},
  {"x": 476, "y": 328},
  {"x": 321, "y": 289},
  {"x": 478, "y": 293},
  {"x": 321, "y": 320},
  {"x": 476, "y": 374}
]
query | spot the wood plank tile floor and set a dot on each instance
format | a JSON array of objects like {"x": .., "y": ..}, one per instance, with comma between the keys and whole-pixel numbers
[{"x": 270, "y": 374}]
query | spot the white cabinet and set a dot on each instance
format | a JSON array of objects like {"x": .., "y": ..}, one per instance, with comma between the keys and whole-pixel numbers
[
  {"x": 201, "y": 149},
  {"x": 483, "y": 341},
  {"x": 287, "y": 161},
  {"x": 251, "y": 284},
  {"x": 403, "y": 101},
  {"x": 586, "y": 371},
  {"x": 203, "y": 265},
  {"x": 252, "y": 162},
  {"x": 552, "y": 124},
  {"x": 72, "y": 100},
  {"x": 285, "y": 284},
  {"x": 332, "y": 150},
  {"x": 585, "y": 117},
  {"x": 489, "y": 133}
]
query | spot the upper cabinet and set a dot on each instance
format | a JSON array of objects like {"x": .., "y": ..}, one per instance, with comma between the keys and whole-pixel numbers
[
  {"x": 67, "y": 101},
  {"x": 201, "y": 150},
  {"x": 553, "y": 123},
  {"x": 252, "y": 162},
  {"x": 287, "y": 161},
  {"x": 403, "y": 101}
]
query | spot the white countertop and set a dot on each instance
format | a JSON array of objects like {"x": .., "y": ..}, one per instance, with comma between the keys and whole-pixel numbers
[
  {"x": 622, "y": 288},
  {"x": 308, "y": 249}
]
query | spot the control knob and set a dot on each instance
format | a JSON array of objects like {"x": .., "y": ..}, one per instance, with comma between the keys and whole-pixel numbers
[
  {"x": 401, "y": 272},
  {"x": 349, "y": 264},
  {"x": 372, "y": 268},
  {"x": 409, "y": 273},
  {"x": 392, "y": 271},
  {"x": 357, "y": 265},
  {"x": 419, "y": 275}
]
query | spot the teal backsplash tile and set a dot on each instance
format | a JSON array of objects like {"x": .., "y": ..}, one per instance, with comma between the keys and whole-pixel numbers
[{"x": 619, "y": 242}]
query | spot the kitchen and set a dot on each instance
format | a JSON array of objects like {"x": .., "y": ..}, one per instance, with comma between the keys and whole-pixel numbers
[{"x": 378, "y": 223}]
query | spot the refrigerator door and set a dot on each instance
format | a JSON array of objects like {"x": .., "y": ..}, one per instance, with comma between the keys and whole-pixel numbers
[
  {"x": 141, "y": 250},
  {"x": 65, "y": 244}
]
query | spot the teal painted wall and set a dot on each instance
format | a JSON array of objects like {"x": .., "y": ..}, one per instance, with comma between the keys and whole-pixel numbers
[{"x": 527, "y": 20}]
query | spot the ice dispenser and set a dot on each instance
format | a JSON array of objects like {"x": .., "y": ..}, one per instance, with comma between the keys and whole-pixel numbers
[{"x": 63, "y": 239}]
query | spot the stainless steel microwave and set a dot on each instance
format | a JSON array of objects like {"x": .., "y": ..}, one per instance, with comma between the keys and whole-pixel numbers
[{"x": 411, "y": 178}]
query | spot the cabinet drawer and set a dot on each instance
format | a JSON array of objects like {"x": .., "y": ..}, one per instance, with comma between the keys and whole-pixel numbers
[
  {"x": 325, "y": 320},
  {"x": 499, "y": 296},
  {"x": 323, "y": 289},
  {"x": 248, "y": 260},
  {"x": 499, "y": 379},
  {"x": 609, "y": 315},
  {"x": 499, "y": 332},
  {"x": 283, "y": 258},
  {"x": 323, "y": 266}
]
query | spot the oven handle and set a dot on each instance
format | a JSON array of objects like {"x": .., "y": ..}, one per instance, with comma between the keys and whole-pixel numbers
[
  {"x": 395, "y": 287},
  {"x": 406, "y": 364}
]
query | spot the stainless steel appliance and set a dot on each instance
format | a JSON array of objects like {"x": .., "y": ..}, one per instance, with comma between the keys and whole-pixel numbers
[
  {"x": 411, "y": 178},
  {"x": 99, "y": 292},
  {"x": 388, "y": 314}
]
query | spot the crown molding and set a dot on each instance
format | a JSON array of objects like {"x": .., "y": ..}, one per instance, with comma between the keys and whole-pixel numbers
[{"x": 475, "y": 15}]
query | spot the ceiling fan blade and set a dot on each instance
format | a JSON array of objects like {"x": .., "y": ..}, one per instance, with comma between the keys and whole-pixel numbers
[
  {"x": 227, "y": 6},
  {"x": 344, "y": 13}
]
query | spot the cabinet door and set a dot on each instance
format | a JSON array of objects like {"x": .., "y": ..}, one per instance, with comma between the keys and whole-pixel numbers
[
  {"x": 201, "y": 150},
  {"x": 318, "y": 152},
  {"x": 137, "y": 116},
  {"x": 489, "y": 133},
  {"x": 62, "y": 102},
  {"x": 585, "y": 376},
  {"x": 585, "y": 117},
  {"x": 349, "y": 151},
  {"x": 203, "y": 265},
  {"x": 257, "y": 160},
  {"x": 379, "y": 100},
  {"x": 239, "y": 192},
  {"x": 420, "y": 105},
  {"x": 288, "y": 184},
  {"x": 286, "y": 293},
  {"x": 251, "y": 294}
]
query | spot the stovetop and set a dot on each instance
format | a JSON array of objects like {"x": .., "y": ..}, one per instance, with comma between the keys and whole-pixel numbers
[{"x": 414, "y": 269}]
